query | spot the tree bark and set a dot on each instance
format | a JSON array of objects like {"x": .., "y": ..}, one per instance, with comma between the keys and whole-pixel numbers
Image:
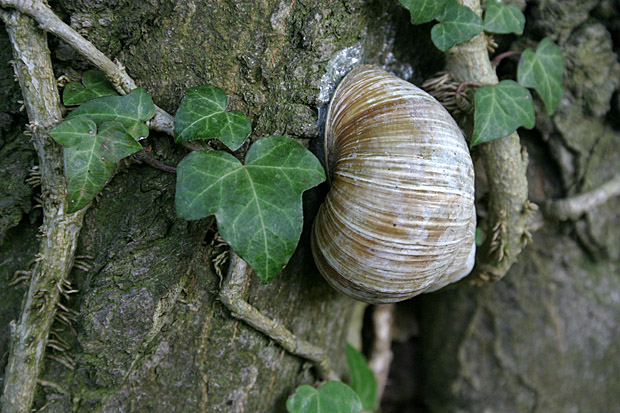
[{"x": 151, "y": 333}]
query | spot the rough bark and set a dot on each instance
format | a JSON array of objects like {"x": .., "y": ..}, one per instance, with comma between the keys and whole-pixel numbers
[
  {"x": 543, "y": 339},
  {"x": 151, "y": 333},
  {"x": 60, "y": 229}
]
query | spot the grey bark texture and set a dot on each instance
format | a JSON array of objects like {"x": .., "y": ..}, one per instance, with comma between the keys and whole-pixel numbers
[
  {"x": 151, "y": 335},
  {"x": 150, "y": 332},
  {"x": 544, "y": 339}
]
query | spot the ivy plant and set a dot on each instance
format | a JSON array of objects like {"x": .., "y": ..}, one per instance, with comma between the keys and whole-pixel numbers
[
  {"x": 542, "y": 71},
  {"x": 503, "y": 19},
  {"x": 257, "y": 204},
  {"x": 203, "y": 115},
  {"x": 502, "y": 108},
  {"x": 336, "y": 396},
  {"x": 456, "y": 24},
  {"x": 94, "y": 85},
  {"x": 97, "y": 135}
]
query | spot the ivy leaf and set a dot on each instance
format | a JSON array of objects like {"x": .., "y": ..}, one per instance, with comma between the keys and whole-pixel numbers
[
  {"x": 257, "y": 205},
  {"x": 458, "y": 24},
  {"x": 423, "y": 11},
  {"x": 91, "y": 157},
  {"x": 363, "y": 380},
  {"x": 94, "y": 85},
  {"x": 500, "y": 109},
  {"x": 543, "y": 71},
  {"x": 72, "y": 131},
  {"x": 502, "y": 19},
  {"x": 333, "y": 396},
  {"x": 202, "y": 115},
  {"x": 131, "y": 111}
]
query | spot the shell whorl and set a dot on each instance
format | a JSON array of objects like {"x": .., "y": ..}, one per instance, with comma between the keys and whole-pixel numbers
[{"x": 399, "y": 218}]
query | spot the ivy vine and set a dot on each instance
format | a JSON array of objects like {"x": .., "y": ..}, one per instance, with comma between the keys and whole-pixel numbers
[
  {"x": 258, "y": 205},
  {"x": 502, "y": 108}
]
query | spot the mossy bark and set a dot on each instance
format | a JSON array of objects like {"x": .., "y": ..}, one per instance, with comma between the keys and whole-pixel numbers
[
  {"x": 60, "y": 229},
  {"x": 543, "y": 339},
  {"x": 151, "y": 333}
]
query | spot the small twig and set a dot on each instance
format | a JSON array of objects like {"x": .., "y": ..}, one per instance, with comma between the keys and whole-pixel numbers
[
  {"x": 148, "y": 158},
  {"x": 162, "y": 122},
  {"x": 575, "y": 206},
  {"x": 381, "y": 352},
  {"x": 504, "y": 55},
  {"x": 231, "y": 295}
]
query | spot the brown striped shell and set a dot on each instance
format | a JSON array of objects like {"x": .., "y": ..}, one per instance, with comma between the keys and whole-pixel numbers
[{"x": 399, "y": 218}]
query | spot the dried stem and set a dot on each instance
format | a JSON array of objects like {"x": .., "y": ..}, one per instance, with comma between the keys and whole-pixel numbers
[
  {"x": 573, "y": 207},
  {"x": 48, "y": 21},
  {"x": 505, "y": 163},
  {"x": 231, "y": 295},
  {"x": 29, "y": 335}
]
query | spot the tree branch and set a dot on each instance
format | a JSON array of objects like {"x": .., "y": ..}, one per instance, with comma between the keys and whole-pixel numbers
[
  {"x": 231, "y": 295},
  {"x": 29, "y": 335},
  {"x": 505, "y": 164},
  {"x": 48, "y": 21}
]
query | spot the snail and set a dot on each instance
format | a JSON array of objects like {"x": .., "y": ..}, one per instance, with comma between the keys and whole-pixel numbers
[{"x": 399, "y": 218}]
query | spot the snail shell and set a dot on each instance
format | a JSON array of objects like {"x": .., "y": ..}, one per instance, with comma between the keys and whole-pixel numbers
[{"x": 399, "y": 218}]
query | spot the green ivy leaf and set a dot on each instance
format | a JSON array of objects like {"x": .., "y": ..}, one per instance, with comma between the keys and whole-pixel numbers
[
  {"x": 72, "y": 131},
  {"x": 423, "y": 11},
  {"x": 257, "y": 205},
  {"x": 363, "y": 380},
  {"x": 131, "y": 111},
  {"x": 202, "y": 115},
  {"x": 543, "y": 71},
  {"x": 502, "y": 19},
  {"x": 90, "y": 156},
  {"x": 500, "y": 109},
  {"x": 94, "y": 85},
  {"x": 458, "y": 24},
  {"x": 333, "y": 396}
]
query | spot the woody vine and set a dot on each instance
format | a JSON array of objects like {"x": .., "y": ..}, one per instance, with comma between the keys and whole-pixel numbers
[{"x": 28, "y": 22}]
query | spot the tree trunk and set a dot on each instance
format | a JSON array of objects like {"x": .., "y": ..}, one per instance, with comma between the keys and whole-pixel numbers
[{"x": 151, "y": 334}]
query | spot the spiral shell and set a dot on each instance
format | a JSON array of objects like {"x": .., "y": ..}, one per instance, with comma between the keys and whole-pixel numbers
[{"x": 399, "y": 218}]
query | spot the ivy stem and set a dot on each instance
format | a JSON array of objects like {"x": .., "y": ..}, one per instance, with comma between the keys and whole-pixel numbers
[
  {"x": 231, "y": 296},
  {"x": 463, "y": 85},
  {"x": 60, "y": 229},
  {"x": 497, "y": 59},
  {"x": 573, "y": 207},
  {"x": 505, "y": 163},
  {"x": 114, "y": 71},
  {"x": 148, "y": 158}
]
